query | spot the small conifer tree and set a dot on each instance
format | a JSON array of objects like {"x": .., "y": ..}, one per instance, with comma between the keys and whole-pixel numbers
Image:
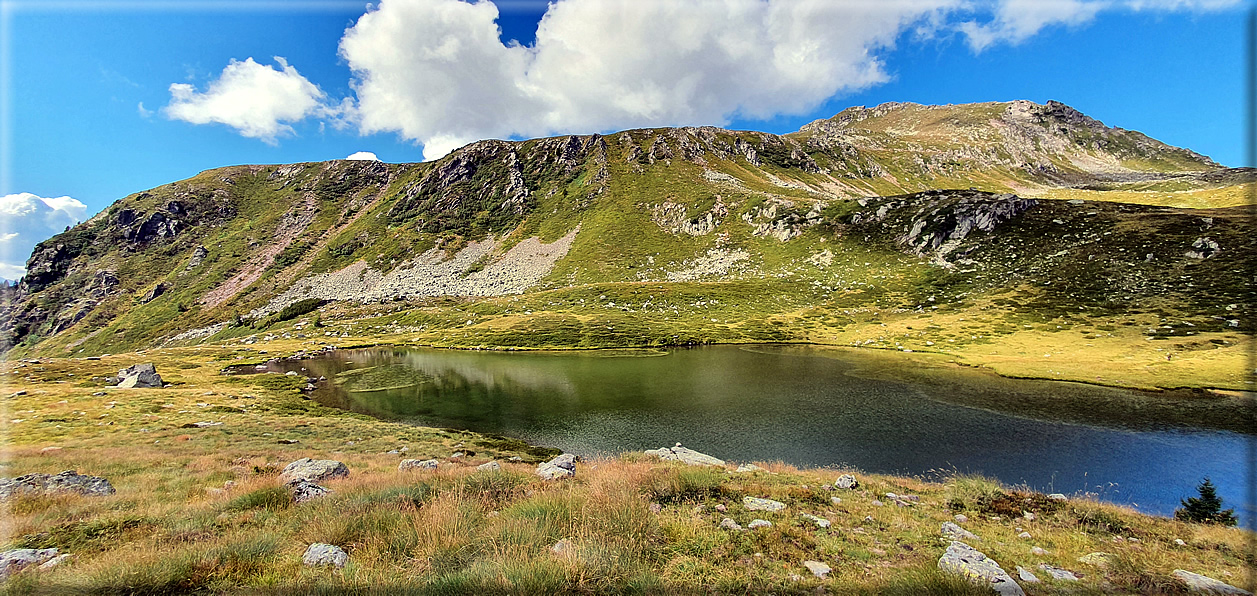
[{"x": 1207, "y": 509}]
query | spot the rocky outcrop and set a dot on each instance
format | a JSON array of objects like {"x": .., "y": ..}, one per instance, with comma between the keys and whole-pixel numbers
[
  {"x": 1207, "y": 585},
  {"x": 304, "y": 491},
  {"x": 967, "y": 562},
  {"x": 68, "y": 482},
  {"x": 313, "y": 470},
  {"x": 563, "y": 466},
  {"x": 685, "y": 456},
  {"x": 12, "y": 561},
  {"x": 139, "y": 376}
]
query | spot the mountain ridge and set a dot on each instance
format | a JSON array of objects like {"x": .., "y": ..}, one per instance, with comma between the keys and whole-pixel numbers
[{"x": 891, "y": 204}]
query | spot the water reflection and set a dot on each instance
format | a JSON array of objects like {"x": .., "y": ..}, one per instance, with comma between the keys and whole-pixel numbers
[{"x": 815, "y": 407}]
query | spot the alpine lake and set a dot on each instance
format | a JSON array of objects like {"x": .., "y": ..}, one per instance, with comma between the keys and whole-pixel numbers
[{"x": 814, "y": 407}]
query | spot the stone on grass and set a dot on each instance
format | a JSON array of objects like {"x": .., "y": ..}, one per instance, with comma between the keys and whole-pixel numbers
[
  {"x": 847, "y": 481},
  {"x": 965, "y": 561},
  {"x": 319, "y": 554},
  {"x": 492, "y": 466},
  {"x": 417, "y": 464},
  {"x": 12, "y": 561},
  {"x": 139, "y": 376},
  {"x": 57, "y": 560},
  {"x": 750, "y": 468},
  {"x": 1179, "y": 542},
  {"x": 685, "y": 456},
  {"x": 758, "y": 504},
  {"x": 1058, "y": 573},
  {"x": 1207, "y": 585},
  {"x": 1038, "y": 551},
  {"x": 835, "y": 501},
  {"x": 961, "y": 519},
  {"x": 817, "y": 568},
  {"x": 312, "y": 470},
  {"x": 303, "y": 491},
  {"x": 759, "y": 523},
  {"x": 729, "y": 524},
  {"x": 956, "y": 532},
  {"x": 66, "y": 482},
  {"x": 819, "y": 521},
  {"x": 1024, "y": 575},
  {"x": 563, "y": 466},
  {"x": 1025, "y": 535},
  {"x": 1058, "y": 497}
]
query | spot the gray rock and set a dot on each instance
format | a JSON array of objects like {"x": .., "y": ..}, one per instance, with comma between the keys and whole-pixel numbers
[
  {"x": 492, "y": 466},
  {"x": 750, "y": 468},
  {"x": 312, "y": 470},
  {"x": 415, "y": 464},
  {"x": 1058, "y": 573},
  {"x": 955, "y": 532},
  {"x": 1038, "y": 551},
  {"x": 1024, "y": 535},
  {"x": 563, "y": 466},
  {"x": 50, "y": 484},
  {"x": 319, "y": 554},
  {"x": 819, "y": 521},
  {"x": 303, "y": 491},
  {"x": 759, "y": 523},
  {"x": 1207, "y": 585},
  {"x": 758, "y": 504},
  {"x": 1179, "y": 542},
  {"x": 1058, "y": 497},
  {"x": 1024, "y": 575},
  {"x": 965, "y": 561},
  {"x": 57, "y": 560},
  {"x": 686, "y": 456},
  {"x": 846, "y": 481},
  {"x": 817, "y": 568},
  {"x": 1096, "y": 559},
  {"x": 140, "y": 376},
  {"x": 12, "y": 561},
  {"x": 961, "y": 518},
  {"x": 729, "y": 524}
]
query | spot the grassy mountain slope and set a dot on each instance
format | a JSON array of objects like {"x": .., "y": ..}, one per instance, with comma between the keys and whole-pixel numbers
[{"x": 1011, "y": 218}]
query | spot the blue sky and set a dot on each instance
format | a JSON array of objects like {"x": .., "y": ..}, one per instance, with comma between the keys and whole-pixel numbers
[{"x": 104, "y": 99}]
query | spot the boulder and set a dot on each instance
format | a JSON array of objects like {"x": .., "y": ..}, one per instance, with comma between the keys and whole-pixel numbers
[
  {"x": 955, "y": 532},
  {"x": 139, "y": 376},
  {"x": 1058, "y": 497},
  {"x": 312, "y": 470},
  {"x": 759, "y": 523},
  {"x": 303, "y": 491},
  {"x": 965, "y": 561},
  {"x": 758, "y": 504},
  {"x": 847, "y": 481},
  {"x": 57, "y": 560},
  {"x": 50, "y": 484},
  {"x": 817, "y": 568},
  {"x": 417, "y": 464},
  {"x": 492, "y": 466},
  {"x": 685, "y": 456},
  {"x": 319, "y": 554},
  {"x": 1207, "y": 585},
  {"x": 12, "y": 561},
  {"x": 729, "y": 524},
  {"x": 563, "y": 466},
  {"x": 750, "y": 468}
]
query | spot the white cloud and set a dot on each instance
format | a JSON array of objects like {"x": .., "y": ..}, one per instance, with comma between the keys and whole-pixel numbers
[
  {"x": 26, "y": 220},
  {"x": 1015, "y": 21},
  {"x": 144, "y": 112},
  {"x": 435, "y": 71},
  {"x": 255, "y": 99},
  {"x": 363, "y": 156}
]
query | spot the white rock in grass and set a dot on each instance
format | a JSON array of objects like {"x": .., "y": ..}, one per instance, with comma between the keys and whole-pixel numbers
[
  {"x": 759, "y": 523},
  {"x": 817, "y": 568},
  {"x": 12, "y": 561},
  {"x": 1207, "y": 585},
  {"x": 1058, "y": 573},
  {"x": 685, "y": 456},
  {"x": 965, "y": 561},
  {"x": 416, "y": 464},
  {"x": 729, "y": 524},
  {"x": 313, "y": 470},
  {"x": 819, "y": 521},
  {"x": 492, "y": 466},
  {"x": 1024, "y": 575},
  {"x": 846, "y": 481},
  {"x": 956, "y": 532},
  {"x": 758, "y": 504},
  {"x": 319, "y": 554}
]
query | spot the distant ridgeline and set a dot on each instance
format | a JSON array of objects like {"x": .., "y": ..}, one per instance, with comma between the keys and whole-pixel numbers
[{"x": 899, "y": 209}]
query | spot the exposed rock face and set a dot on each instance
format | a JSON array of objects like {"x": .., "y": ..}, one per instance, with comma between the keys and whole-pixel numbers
[
  {"x": 319, "y": 554},
  {"x": 563, "y": 466},
  {"x": 154, "y": 293},
  {"x": 50, "y": 484},
  {"x": 313, "y": 470},
  {"x": 1206, "y": 585},
  {"x": 686, "y": 456},
  {"x": 965, "y": 561},
  {"x": 12, "y": 561},
  {"x": 937, "y": 223},
  {"x": 139, "y": 376}
]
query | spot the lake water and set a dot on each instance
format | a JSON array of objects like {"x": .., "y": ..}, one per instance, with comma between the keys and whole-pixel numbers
[{"x": 806, "y": 406}]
